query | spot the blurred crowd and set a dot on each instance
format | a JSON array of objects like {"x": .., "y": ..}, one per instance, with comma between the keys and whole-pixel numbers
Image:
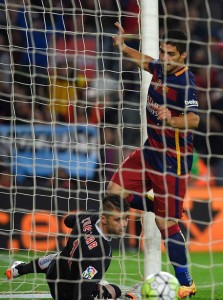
[{"x": 58, "y": 65}]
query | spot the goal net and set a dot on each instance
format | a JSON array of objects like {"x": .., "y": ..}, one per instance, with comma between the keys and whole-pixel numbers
[{"x": 71, "y": 111}]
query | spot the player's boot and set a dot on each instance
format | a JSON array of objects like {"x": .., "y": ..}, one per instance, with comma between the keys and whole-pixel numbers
[
  {"x": 13, "y": 271},
  {"x": 187, "y": 291}
]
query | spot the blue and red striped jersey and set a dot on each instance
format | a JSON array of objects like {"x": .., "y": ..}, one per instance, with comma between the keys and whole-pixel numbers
[{"x": 169, "y": 149}]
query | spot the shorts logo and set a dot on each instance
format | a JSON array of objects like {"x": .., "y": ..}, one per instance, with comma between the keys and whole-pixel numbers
[{"x": 90, "y": 272}]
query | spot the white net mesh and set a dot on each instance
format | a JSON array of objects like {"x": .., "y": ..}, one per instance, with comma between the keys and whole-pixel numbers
[{"x": 70, "y": 114}]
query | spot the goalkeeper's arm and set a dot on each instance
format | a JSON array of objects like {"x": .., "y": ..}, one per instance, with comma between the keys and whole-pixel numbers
[{"x": 70, "y": 221}]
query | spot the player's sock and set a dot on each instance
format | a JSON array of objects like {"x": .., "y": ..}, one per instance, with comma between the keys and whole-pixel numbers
[
  {"x": 31, "y": 267},
  {"x": 175, "y": 245},
  {"x": 183, "y": 276},
  {"x": 26, "y": 268},
  {"x": 141, "y": 203}
]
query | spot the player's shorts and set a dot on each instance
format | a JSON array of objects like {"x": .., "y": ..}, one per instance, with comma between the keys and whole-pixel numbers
[{"x": 136, "y": 176}]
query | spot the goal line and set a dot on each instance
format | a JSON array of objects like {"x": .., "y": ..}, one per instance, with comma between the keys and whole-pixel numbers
[
  {"x": 25, "y": 296},
  {"x": 31, "y": 296}
]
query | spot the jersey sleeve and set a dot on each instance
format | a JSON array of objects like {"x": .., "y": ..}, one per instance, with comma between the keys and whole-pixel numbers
[{"x": 70, "y": 221}]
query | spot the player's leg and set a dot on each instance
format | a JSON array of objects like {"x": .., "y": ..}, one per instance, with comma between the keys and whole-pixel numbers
[
  {"x": 60, "y": 284},
  {"x": 130, "y": 182},
  {"x": 38, "y": 265},
  {"x": 169, "y": 194}
]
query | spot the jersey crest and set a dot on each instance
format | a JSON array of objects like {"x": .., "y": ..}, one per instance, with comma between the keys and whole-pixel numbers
[{"x": 89, "y": 273}]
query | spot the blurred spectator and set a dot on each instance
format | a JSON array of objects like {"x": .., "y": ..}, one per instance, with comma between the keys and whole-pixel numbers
[
  {"x": 5, "y": 61},
  {"x": 131, "y": 105},
  {"x": 5, "y": 177},
  {"x": 34, "y": 61},
  {"x": 24, "y": 111},
  {"x": 80, "y": 48},
  {"x": 35, "y": 29},
  {"x": 218, "y": 61},
  {"x": 5, "y": 103},
  {"x": 105, "y": 96},
  {"x": 209, "y": 140},
  {"x": 63, "y": 92},
  {"x": 59, "y": 180},
  {"x": 5, "y": 79},
  {"x": 131, "y": 21},
  {"x": 60, "y": 35},
  {"x": 86, "y": 13},
  {"x": 68, "y": 100},
  {"x": 109, "y": 57}
]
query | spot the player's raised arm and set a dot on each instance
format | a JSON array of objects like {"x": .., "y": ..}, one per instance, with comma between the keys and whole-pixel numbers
[{"x": 140, "y": 59}]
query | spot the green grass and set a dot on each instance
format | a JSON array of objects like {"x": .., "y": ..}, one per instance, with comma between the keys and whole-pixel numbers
[{"x": 206, "y": 269}]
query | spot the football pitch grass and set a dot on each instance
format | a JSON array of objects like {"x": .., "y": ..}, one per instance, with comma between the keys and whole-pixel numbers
[{"x": 125, "y": 270}]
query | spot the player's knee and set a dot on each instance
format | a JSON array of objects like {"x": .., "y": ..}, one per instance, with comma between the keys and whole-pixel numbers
[{"x": 167, "y": 227}]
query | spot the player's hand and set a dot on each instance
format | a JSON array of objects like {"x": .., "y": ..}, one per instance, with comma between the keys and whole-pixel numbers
[
  {"x": 118, "y": 39},
  {"x": 163, "y": 113}
]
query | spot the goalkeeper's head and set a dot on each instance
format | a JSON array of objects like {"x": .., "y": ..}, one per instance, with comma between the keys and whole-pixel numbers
[{"x": 114, "y": 215}]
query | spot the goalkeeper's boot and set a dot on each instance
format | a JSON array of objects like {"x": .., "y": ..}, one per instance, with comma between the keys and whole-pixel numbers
[
  {"x": 13, "y": 271},
  {"x": 187, "y": 291}
]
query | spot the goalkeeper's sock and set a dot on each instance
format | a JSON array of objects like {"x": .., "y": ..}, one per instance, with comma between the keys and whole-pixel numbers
[
  {"x": 31, "y": 267},
  {"x": 175, "y": 244},
  {"x": 26, "y": 268},
  {"x": 141, "y": 203}
]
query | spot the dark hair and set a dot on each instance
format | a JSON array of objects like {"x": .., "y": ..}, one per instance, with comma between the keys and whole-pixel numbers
[
  {"x": 176, "y": 38},
  {"x": 114, "y": 202}
]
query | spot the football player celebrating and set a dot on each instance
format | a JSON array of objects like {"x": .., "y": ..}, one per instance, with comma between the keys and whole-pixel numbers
[{"x": 164, "y": 162}]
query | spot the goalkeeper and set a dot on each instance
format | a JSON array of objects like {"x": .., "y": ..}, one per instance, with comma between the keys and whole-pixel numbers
[
  {"x": 75, "y": 273},
  {"x": 164, "y": 162}
]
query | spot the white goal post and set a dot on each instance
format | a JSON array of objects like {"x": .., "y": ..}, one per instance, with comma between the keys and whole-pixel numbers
[{"x": 150, "y": 45}]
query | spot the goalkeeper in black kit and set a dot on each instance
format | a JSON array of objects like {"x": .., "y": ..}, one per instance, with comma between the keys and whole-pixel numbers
[{"x": 76, "y": 272}]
